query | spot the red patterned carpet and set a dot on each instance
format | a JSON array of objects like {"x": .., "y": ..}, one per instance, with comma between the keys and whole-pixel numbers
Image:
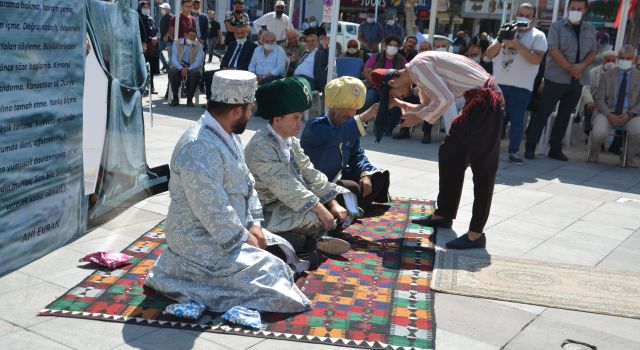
[{"x": 377, "y": 296}]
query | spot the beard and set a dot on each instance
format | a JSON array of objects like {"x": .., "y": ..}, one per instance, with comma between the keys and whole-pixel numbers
[
  {"x": 279, "y": 13},
  {"x": 240, "y": 126}
]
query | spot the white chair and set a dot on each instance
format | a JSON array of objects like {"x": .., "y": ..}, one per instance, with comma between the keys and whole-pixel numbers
[
  {"x": 318, "y": 100},
  {"x": 625, "y": 144}
]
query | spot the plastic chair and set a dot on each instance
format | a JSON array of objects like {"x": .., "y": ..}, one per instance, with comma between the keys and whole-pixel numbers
[
  {"x": 349, "y": 66},
  {"x": 625, "y": 144}
]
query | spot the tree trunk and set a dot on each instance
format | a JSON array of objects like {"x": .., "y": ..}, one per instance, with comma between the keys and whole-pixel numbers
[{"x": 410, "y": 16}]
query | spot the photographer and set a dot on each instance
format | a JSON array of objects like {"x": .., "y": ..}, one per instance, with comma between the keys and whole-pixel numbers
[
  {"x": 516, "y": 55},
  {"x": 572, "y": 48}
]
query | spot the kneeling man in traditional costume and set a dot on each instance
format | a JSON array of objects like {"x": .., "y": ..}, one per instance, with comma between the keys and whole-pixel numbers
[
  {"x": 332, "y": 142},
  {"x": 216, "y": 248},
  {"x": 299, "y": 202}
]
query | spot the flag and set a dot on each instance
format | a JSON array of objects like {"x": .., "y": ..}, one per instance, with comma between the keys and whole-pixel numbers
[{"x": 632, "y": 5}]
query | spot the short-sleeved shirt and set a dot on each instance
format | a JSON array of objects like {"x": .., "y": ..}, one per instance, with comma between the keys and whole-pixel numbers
[
  {"x": 277, "y": 26},
  {"x": 243, "y": 21},
  {"x": 214, "y": 29},
  {"x": 186, "y": 22},
  {"x": 512, "y": 69},
  {"x": 562, "y": 37}
]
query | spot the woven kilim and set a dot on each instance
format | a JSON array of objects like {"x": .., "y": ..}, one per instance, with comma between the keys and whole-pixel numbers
[{"x": 375, "y": 296}]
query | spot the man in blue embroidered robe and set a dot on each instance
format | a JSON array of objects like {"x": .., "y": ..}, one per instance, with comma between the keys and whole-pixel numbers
[
  {"x": 332, "y": 142},
  {"x": 218, "y": 254}
]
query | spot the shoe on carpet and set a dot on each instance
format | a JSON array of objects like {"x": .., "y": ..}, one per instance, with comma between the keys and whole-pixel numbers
[
  {"x": 463, "y": 242},
  {"x": 403, "y": 133},
  {"x": 333, "y": 246},
  {"x": 426, "y": 138},
  {"x": 428, "y": 221},
  {"x": 558, "y": 155},
  {"x": 514, "y": 158}
]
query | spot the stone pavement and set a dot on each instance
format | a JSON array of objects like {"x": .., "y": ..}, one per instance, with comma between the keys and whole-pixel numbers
[{"x": 578, "y": 213}]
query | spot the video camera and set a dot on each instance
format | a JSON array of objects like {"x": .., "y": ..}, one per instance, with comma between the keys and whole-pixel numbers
[{"x": 508, "y": 30}]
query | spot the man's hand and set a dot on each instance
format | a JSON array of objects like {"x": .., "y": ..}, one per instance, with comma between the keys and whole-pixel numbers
[
  {"x": 365, "y": 185},
  {"x": 337, "y": 211},
  {"x": 590, "y": 106},
  {"x": 256, "y": 232},
  {"x": 409, "y": 120},
  {"x": 184, "y": 73},
  {"x": 252, "y": 240},
  {"x": 144, "y": 47},
  {"x": 624, "y": 119},
  {"x": 511, "y": 44},
  {"x": 324, "y": 216},
  {"x": 613, "y": 120},
  {"x": 370, "y": 113},
  {"x": 154, "y": 41}
]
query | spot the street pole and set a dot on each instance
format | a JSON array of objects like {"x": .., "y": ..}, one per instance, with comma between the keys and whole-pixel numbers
[
  {"x": 291, "y": 5},
  {"x": 376, "y": 13},
  {"x": 556, "y": 5},
  {"x": 566, "y": 9},
  {"x": 505, "y": 3},
  {"x": 622, "y": 26},
  {"x": 432, "y": 20},
  {"x": 335, "y": 12}
]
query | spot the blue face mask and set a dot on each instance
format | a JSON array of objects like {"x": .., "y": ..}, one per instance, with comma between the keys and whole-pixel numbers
[
  {"x": 456, "y": 49},
  {"x": 321, "y": 42}
]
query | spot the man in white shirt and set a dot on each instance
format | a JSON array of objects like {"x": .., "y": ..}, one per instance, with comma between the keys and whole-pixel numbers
[
  {"x": 515, "y": 66},
  {"x": 306, "y": 64},
  {"x": 276, "y": 22},
  {"x": 269, "y": 61}
]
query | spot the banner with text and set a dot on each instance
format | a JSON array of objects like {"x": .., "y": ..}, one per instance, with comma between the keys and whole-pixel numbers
[{"x": 42, "y": 45}]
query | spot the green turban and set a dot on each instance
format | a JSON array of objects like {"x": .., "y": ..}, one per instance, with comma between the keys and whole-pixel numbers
[{"x": 283, "y": 96}]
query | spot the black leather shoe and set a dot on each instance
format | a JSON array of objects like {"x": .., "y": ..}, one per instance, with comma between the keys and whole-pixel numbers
[
  {"x": 530, "y": 155},
  {"x": 426, "y": 138},
  {"x": 463, "y": 242},
  {"x": 428, "y": 221},
  {"x": 558, "y": 155},
  {"x": 403, "y": 133}
]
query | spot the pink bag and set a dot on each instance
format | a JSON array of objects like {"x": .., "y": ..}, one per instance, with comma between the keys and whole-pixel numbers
[{"x": 109, "y": 259}]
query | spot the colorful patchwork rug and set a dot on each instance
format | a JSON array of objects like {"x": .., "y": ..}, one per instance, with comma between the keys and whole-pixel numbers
[{"x": 375, "y": 296}]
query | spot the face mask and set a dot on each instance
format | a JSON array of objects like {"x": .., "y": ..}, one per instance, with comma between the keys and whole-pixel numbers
[
  {"x": 352, "y": 50},
  {"x": 608, "y": 66},
  {"x": 369, "y": 19},
  {"x": 313, "y": 24},
  {"x": 575, "y": 16},
  {"x": 322, "y": 42},
  {"x": 164, "y": 12},
  {"x": 442, "y": 49},
  {"x": 625, "y": 64},
  {"x": 146, "y": 12},
  {"x": 241, "y": 41},
  {"x": 268, "y": 46},
  {"x": 455, "y": 49},
  {"x": 476, "y": 59},
  {"x": 190, "y": 42},
  {"x": 392, "y": 50},
  {"x": 523, "y": 20},
  {"x": 391, "y": 22}
]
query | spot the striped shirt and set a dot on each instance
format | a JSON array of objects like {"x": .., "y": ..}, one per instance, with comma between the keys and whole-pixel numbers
[{"x": 442, "y": 77}]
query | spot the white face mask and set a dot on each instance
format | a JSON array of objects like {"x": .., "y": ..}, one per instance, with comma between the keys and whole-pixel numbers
[
  {"x": 352, "y": 50},
  {"x": 476, "y": 59},
  {"x": 625, "y": 64},
  {"x": 146, "y": 12},
  {"x": 313, "y": 24},
  {"x": 268, "y": 46},
  {"x": 575, "y": 16},
  {"x": 392, "y": 50},
  {"x": 190, "y": 42},
  {"x": 442, "y": 49},
  {"x": 523, "y": 20},
  {"x": 391, "y": 22},
  {"x": 608, "y": 66},
  {"x": 164, "y": 11},
  {"x": 369, "y": 19},
  {"x": 241, "y": 41}
]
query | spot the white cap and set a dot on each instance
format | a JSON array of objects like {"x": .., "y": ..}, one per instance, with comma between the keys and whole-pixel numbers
[
  {"x": 280, "y": 3},
  {"x": 234, "y": 87},
  {"x": 165, "y": 6}
]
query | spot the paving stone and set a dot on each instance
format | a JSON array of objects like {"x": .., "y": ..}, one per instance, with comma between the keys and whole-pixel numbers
[
  {"x": 7, "y": 327},
  {"x": 449, "y": 340},
  {"x": 17, "y": 280},
  {"x": 554, "y": 326},
  {"x": 27, "y": 302},
  {"x": 130, "y": 217},
  {"x": 470, "y": 317},
  {"x": 99, "y": 334},
  {"x": 26, "y": 340},
  {"x": 236, "y": 342},
  {"x": 270, "y": 344},
  {"x": 574, "y": 248},
  {"x": 595, "y": 228},
  {"x": 567, "y": 206},
  {"x": 58, "y": 264},
  {"x": 169, "y": 339}
]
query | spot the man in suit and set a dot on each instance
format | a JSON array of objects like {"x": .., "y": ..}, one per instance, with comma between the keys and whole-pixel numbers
[
  {"x": 587, "y": 104},
  {"x": 238, "y": 56},
  {"x": 618, "y": 104},
  {"x": 312, "y": 66}
]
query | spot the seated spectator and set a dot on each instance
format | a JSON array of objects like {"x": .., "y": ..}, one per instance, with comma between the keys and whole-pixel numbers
[
  {"x": 187, "y": 59},
  {"x": 217, "y": 253},
  {"x": 441, "y": 44},
  {"x": 238, "y": 57},
  {"x": 425, "y": 46},
  {"x": 389, "y": 58},
  {"x": 324, "y": 39},
  {"x": 409, "y": 49},
  {"x": 352, "y": 49},
  {"x": 294, "y": 49},
  {"x": 332, "y": 142},
  {"x": 269, "y": 60},
  {"x": 312, "y": 66},
  {"x": 618, "y": 105},
  {"x": 587, "y": 104},
  {"x": 298, "y": 201}
]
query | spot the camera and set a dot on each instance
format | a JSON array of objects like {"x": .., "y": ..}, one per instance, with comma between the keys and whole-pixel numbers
[{"x": 508, "y": 30}]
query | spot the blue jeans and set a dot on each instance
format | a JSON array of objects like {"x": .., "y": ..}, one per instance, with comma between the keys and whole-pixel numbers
[
  {"x": 516, "y": 101},
  {"x": 163, "y": 45}
]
